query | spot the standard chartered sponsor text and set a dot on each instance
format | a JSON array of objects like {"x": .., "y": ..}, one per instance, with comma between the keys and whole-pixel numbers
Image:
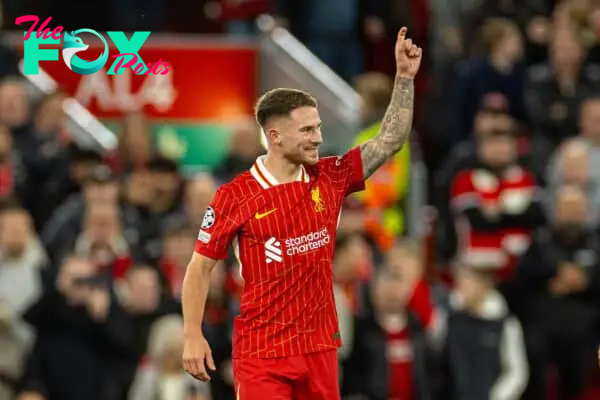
[{"x": 305, "y": 243}]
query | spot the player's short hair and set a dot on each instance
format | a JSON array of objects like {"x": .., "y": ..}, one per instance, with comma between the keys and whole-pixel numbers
[{"x": 280, "y": 103}]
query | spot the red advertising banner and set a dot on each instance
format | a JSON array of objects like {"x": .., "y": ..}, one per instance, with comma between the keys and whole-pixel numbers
[
  {"x": 210, "y": 84},
  {"x": 207, "y": 81}
]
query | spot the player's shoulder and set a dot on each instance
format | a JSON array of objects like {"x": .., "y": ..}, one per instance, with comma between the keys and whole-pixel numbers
[
  {"x": 240, "y": 188},
  {"x": 337, "y": 161},
  {"x": 324, "y": 166}
]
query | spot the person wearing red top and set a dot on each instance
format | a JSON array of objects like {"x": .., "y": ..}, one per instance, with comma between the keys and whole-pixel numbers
[
  {"x": 281, "y": 217},
  {"x": 392, "y": 359}
]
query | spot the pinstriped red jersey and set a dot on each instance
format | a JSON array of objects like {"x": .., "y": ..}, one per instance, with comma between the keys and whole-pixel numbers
[{"x": 283, "y": 236}]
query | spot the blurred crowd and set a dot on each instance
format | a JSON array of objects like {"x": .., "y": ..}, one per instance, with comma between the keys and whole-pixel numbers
[{"x": 499, "y": 303}]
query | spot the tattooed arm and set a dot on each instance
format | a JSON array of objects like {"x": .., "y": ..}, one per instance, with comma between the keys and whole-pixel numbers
[{"x": 395, "y": 128}]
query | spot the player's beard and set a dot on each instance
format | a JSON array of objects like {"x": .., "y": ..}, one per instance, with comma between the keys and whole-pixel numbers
[{"x": 309, "y": 156}]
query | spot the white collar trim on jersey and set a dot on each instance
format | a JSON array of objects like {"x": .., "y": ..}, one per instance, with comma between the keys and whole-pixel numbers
[{"x": 260, "y": 172}]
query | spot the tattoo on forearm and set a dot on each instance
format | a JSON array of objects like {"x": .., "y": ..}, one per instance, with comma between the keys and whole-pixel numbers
[{"x": 395, "y": 128}]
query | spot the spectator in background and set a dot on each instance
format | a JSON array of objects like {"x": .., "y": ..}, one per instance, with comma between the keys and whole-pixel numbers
[
  {"x": 484, "y": 352},
  {"x": 381, "y": 29},
  {"x": 135, "y": 142},
  {"x": 138, "y": 190},
  {"x": 581, "y": 15},
  {"x": 178, "y": 244},
  {"x": 531, "y": 16},
  {"x": 447, "y": 40},
  {"x": 12, "y": 174},
  {"x": 495, "y": 206},
  {"x": 331, "y": 29},
  {"x": 217, "y": 325},
  {"x": 383, "y": 196},
  {"x": 244, "y": 148},
  {"x": 349, "y": 264},
  {"x": 30, "y": 396},
  {"x": 21, "y": 261},
  {"x": 589, "y": 121},
  {"x": 65, "y": 186},
  {"x": 98, "y": 186},
  {"x": 82, "y": 330},
  {"x": 559, "y": 277},
  {"x": 42, "y": 145},
  {"x": 14, "y": 104},
  {"x": 162, "y": 377},
  {"x": 555, "y": 90},
  {"x": 198, "y": 192},
  {"x": 408, "y": 331},
  {"x": 391, "y": 355},
  {"x": 83, "y": 165},
  {"x": 583, "y": 159},
  {"x": 49, "y": 116},
  {"x": 492, "y": 117},
  {"x": 355, "y": 257},
  {"x": 50, "y": 123},
  {"x": 573, "y": 166},
  {"x": 102, "y": 240},
  {"x": 141, "y": 295},
  {"x": 165, "y": 181},
  {"x": 500, "y": 70}
]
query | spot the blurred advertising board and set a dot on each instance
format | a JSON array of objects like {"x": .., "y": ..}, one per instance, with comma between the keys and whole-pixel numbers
[{"x": 211, "y": 84}]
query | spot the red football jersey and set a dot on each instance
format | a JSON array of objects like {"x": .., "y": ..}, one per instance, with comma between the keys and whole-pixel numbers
[{"x": 283, "y": 236}]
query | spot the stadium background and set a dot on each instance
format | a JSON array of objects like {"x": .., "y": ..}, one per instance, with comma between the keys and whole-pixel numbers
[{"x": 119, "y": 170}]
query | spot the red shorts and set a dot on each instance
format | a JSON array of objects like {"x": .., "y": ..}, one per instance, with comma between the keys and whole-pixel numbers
[{"x": 309, "y": 376}]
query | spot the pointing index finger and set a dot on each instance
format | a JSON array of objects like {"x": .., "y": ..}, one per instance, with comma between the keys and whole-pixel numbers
[{"x": 402, "y": 33}]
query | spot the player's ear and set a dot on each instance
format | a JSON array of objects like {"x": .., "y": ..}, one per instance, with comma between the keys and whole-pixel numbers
[{"x": 274, "y": 136}]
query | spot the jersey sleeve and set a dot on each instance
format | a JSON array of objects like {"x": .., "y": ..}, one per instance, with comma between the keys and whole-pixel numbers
[
  {"x": 219, "y": 226},
  {"x": 346, "y": 171}
]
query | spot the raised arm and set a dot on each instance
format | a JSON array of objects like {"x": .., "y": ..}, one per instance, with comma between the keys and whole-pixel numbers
[{"x": 397, "y": 121}]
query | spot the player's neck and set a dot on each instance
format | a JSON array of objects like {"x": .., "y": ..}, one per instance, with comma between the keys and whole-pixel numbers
[{"x": 281, "y": 168}]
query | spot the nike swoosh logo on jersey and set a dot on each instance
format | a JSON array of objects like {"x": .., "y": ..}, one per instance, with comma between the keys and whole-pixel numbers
[{"x": 260, "y": 216}]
